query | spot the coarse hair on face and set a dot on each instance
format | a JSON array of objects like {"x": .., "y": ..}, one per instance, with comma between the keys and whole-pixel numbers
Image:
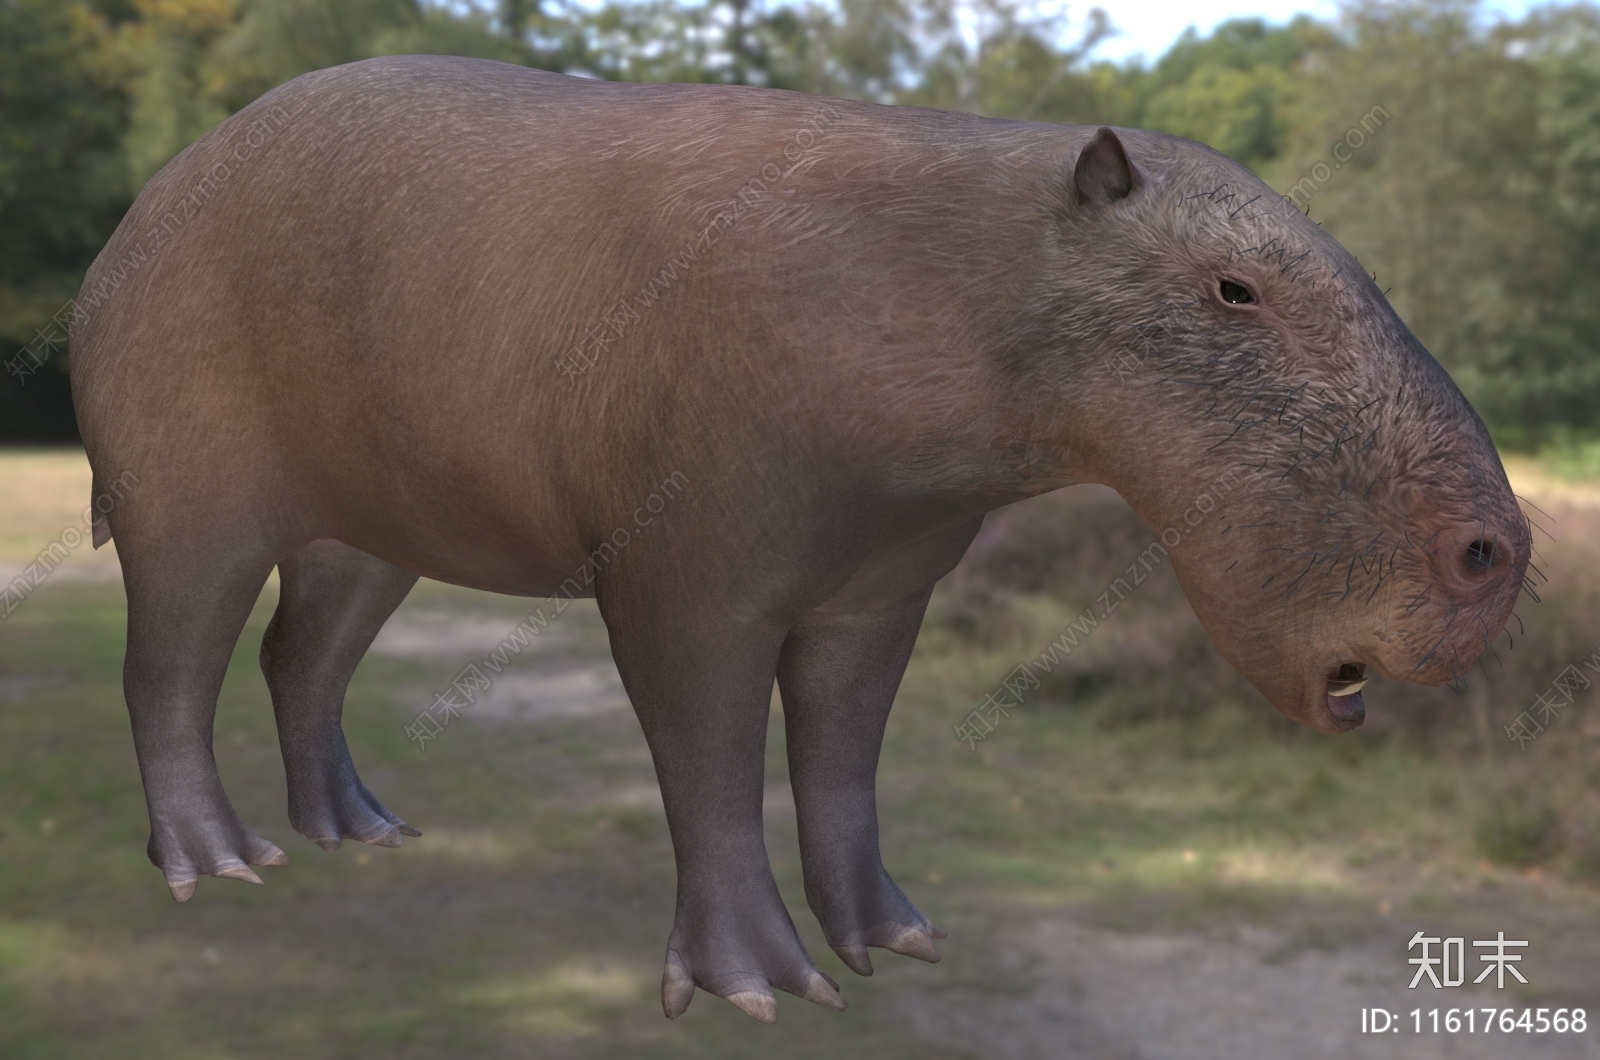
[{"x": 1196, "y": 325}]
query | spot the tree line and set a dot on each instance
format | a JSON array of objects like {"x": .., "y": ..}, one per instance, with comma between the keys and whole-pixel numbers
[{"x": 1456, "y": 156}]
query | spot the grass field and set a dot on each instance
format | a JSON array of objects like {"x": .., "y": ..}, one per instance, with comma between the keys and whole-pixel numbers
[{"x": 1143, "y": 861}]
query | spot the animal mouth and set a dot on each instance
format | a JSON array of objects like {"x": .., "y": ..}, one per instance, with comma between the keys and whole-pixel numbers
[
  {"x": 1348, "y": 681},
  {"x": 1344, "y": 695}
]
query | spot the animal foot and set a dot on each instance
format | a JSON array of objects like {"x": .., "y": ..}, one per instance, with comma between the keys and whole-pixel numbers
[
  {"x": 742, "y": 963},
  {"x": 896, "y": 938},
  {"x": 217, "y": 843},
  {"x": 876, "y": 915},
  {"x": 330, "y": 804}
]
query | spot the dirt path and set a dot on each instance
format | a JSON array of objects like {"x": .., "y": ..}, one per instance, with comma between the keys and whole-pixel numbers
[
  {"x": 1066, "y": 989},
  {"x": 536, "y": 904},
  {"x": 1103, "y": 995}
]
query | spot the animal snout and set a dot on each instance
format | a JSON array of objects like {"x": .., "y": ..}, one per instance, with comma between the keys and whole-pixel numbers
[{"x": 1477, "y": 557}]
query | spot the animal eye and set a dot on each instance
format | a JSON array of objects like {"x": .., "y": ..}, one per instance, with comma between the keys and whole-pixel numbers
[{"x": 1234, "y": 294}]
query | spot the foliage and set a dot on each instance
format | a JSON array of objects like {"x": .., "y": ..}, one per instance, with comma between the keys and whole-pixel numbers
[
  {"x": 62, "y": 115},
  {"x": 1474, "y": 193},
  {"x": 1480, "y": 207}
]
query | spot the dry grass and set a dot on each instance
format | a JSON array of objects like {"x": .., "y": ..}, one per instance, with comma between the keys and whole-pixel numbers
[
  {"x": 44, "y": 492},
  {"x": 1037, "y": 565}
]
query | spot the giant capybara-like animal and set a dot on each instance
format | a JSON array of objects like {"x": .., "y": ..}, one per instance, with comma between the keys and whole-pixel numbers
[{"x": 455, "y": 319}]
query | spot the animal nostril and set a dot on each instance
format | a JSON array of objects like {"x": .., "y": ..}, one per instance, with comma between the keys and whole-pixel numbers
[{"x": 1480, "y": 556}]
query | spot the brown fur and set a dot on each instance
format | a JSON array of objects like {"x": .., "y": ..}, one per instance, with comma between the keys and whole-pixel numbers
[{"x": 352, "y": 356}]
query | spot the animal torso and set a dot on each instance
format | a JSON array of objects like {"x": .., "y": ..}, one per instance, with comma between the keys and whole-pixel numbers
[{"x": 468, "y": 318}]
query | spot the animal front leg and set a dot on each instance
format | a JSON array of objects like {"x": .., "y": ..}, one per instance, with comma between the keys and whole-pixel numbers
[
  {"x": 702, "y": 691},
  {"x": 838, "y": 676}
]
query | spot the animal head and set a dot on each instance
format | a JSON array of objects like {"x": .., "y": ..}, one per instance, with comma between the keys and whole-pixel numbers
[{"x": 1330, "y": 501}]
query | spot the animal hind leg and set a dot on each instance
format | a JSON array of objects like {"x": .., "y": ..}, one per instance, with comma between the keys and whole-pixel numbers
[
  {"x": 333, "y": 601},
  {"x": 187, "y": 603}
]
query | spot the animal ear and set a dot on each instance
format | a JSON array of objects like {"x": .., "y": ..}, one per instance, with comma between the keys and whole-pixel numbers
[{"x": 1104, "y": 173}]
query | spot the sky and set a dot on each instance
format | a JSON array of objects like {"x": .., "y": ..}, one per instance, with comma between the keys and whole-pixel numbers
[{"x": 1151, "y": 26}]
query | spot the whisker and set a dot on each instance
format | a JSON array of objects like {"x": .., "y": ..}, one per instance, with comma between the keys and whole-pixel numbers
[{"x": 1535, "y": 507}]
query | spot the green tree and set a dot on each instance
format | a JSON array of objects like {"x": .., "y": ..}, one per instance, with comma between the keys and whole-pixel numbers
[
  {"x": 173, "y": 92},
  {"x": 63, "y": 187},
  {"x": 1469, "y": 180},
  {"x": 1476, "y": 203}
]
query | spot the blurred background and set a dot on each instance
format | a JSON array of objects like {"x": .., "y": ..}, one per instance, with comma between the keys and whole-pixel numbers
[
  {"x": 1143, "y": 861},
  {"x": 1473, "y": 191}
]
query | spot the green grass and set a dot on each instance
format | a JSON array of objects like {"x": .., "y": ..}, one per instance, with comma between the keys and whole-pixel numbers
[
  {"x": 527, "y": 914},
  {"x": 1573, "y": 459},
  {"x": 533, "y": 912},
  {"x": 1148, "y": 791}
]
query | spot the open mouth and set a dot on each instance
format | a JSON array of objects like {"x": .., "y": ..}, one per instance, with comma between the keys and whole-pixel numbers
[
  {"x": 1348, "y": 681},
  {"x": 1344, "y": 695}
]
